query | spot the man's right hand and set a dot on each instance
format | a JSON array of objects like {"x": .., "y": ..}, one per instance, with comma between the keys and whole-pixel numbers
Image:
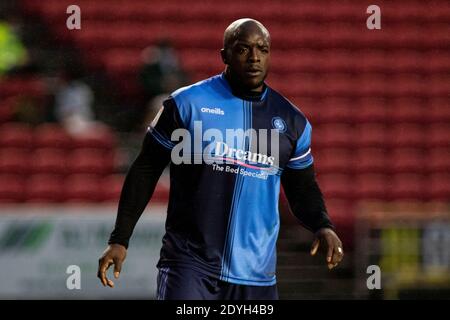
[{"x": 114, "y": 254}]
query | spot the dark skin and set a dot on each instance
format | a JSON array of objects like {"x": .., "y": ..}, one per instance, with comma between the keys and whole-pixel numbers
[
  {"x": 246, "y": 54},
  {"x": 114, "y": 254}
]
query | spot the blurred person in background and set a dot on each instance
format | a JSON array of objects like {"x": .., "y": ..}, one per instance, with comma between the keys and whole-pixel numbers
[
  {"x": 222, "y": 225},
  {"x": 13, "y": 53},
  {"x": 74, "y": 102},
  {"x": 161, "y": 72}
]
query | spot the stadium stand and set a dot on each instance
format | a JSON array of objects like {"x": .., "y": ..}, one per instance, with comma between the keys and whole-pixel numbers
[
  {"x": 378, "y": 103},
  {"x": 378, "y": 100}
]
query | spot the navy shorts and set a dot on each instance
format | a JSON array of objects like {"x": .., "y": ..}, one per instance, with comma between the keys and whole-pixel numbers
[{"x": 184, "y": 283}]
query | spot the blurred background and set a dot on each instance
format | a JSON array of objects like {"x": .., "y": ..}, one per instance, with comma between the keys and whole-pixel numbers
[{"x": 74, "y": 105}]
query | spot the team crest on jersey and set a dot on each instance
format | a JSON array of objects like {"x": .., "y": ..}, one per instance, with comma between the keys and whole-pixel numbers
[{"x": 279, "y": 124}]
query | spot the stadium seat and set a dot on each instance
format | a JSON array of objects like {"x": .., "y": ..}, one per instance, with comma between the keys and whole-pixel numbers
[
  {"x": 371, "y": 160},
  {"x": 438, "y": 160},
  {"x": 49, "y": 160},
  {"x": 407, "y": 135},
  {"x": 406, "y": 110},
  {"x": 405, "y": 160},
  {"x": 111, "y": 187},
  {"x": 438, "y": 135},
  {"x": 332, "y": 136},
  {"x": 6, "y": 110},
  {"x": 370, "y": 135},
  {"x": 98, "y": 137},
  {"x": 16, "y": 135},
  {"x": 333, "y": 160},
  {"x": 19, "y": 85},
  {"x": 12, "y": 188},
  {"x": 44, "y": 188},
  {"x": 50, "y": 135},
  {"x": 371, "y": 186},
  {"x": 438, "y": 186},
  {"x": 406, "y": 186},
  {"x": 371, "y": 110},
  {"x": 81, "y": 188},
  {"x": 336, "y": 186},
  {"x": 14, "y": 160},
  {"x": 90, "y": 160},
  {"x": 161, "y": 193},
  {"x": 437, "y": 110},
  {"x": 337, "y": 110}
]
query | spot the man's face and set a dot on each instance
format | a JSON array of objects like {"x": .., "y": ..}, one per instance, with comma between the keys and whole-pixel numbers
[{"x": 248, "y": 58}]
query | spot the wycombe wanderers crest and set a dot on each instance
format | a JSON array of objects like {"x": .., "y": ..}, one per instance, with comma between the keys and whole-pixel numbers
[{"x": 279, "y": 124}]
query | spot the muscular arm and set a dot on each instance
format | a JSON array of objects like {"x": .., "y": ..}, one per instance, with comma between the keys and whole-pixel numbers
[
  {"x": 138, "y": 188},
  {"x": 305, "y": 198}
]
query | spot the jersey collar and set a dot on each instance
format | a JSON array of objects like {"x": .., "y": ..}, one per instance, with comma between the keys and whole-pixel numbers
[{"x": 250, "y": 97}]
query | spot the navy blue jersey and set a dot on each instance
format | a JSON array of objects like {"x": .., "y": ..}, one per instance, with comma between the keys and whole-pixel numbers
[{"x": 223, "y": 216}]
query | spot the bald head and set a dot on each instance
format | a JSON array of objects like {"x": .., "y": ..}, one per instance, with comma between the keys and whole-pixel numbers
[
  {"x": 246, "y": 54},
  {"x": 243, "y": 26}
]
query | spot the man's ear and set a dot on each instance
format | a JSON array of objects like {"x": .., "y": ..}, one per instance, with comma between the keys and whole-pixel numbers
[{"x": 223, "y": 53}]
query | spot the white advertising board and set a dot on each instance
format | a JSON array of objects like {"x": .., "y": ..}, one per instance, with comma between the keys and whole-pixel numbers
[{"x": 37, "y": 245}]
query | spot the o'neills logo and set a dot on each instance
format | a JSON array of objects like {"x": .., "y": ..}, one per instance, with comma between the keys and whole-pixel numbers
[
  {"x": 222, "y": 150},
  {"x": 217, "y": 111}
]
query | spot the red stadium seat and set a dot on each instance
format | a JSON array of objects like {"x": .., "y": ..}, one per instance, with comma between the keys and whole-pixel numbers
[
  {"x": 6, "y": 109},
  {"x": 336, "y": 186},
  {"x": 89, "y": 160},
  {"x": 371, "y": 186},
  {"x": 44, "y": 188},
  {"x": 98, "y": 137},
  {"x": 12, "y": 188},
  {"x": 438, "y": 160},
  {"x": 437, "y": 110},
  {"x": 371, "y": 160},
  {"x": 407, "y": 186},
  {"x": 337, "y": 110},
  {"x": 111, "y": 187},
  {"x": 50, "y": 135},
  {"x": 332, "y": 136},
  {"x": 371, "y": 110},
  {"x": 438, "y": 135},
  {"x": 17, "y": 86},
  {"x": 13, "y": 160},
  {"x": 123, "y": 61},
  {"x": 16, "y": 135},
  {"x": 161, "y": 193},
  {"x": 49, "y": 160},
  {"x": 333, "y": 160},
  {"x": 82, "y": 188},
  {"x": 407, "y": 135},
  {"x": 371, "y": 135},
  {"x": 438, "y": 186},
  {"x": 369, "y": 85},
  {"x": 404, "y": 160},
  {"x": 406, "y": 110}
]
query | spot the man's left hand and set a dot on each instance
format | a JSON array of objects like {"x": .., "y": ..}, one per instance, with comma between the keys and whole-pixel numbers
[{"x": 335, "y": 251}]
